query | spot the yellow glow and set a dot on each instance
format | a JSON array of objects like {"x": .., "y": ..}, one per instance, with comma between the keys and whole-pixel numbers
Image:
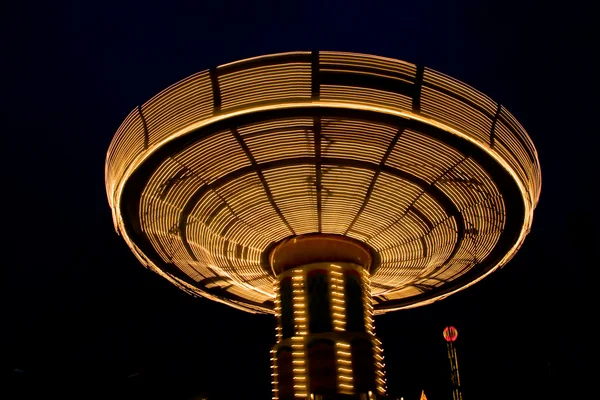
[{"x": 169, "y": 116}]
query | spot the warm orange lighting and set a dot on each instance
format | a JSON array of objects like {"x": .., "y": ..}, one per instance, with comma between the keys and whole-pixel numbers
[
  {"x": 434, "y": 183},
  {"x": 380, "y": 183}
]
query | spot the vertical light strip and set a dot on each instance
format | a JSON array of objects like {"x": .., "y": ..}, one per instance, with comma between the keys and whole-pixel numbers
[
  {"x": 274, "y": 375},
  {"x": 370, "y": 328},
  {"x": 379, "y": 366},
  {"x": 338, "y": 304},
  {"x": 343, "y": 353},
  {"x": 343, "y": 356},
  {"x": 300, "y": 332},
  {"x": 278, "y": 338},
  {"x": 299, "y": 301},
  {"x": 367, "y": 301},
  {"x": 458, "y": 391},
  {"x": 278, "y": 328}
]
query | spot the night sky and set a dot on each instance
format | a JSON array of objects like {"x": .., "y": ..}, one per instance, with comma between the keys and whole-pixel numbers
[{"x": 81, "y": 318}]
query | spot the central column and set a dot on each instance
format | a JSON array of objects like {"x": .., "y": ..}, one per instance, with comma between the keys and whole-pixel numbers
[{"x": 326, "y": 346}]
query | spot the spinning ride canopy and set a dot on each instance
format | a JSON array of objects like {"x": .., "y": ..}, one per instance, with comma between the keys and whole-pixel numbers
[{"x": 437, "y": 180}]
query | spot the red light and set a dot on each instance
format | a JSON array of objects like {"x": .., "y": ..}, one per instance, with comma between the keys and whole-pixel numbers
[{"x": 450, "y": 333}]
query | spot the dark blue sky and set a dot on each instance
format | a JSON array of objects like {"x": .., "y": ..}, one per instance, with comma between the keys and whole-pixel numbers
[{"x": 81, "y": 318}]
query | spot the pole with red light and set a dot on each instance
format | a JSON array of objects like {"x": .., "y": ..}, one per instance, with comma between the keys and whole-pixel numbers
[{"x": 450, "y": 334}]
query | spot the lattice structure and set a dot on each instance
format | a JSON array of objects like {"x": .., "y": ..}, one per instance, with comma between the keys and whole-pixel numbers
[{"x": 450, "y": 334}]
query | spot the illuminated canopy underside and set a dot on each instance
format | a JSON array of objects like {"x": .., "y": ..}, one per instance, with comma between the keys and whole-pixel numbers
[{"x": 435, "y": 177}]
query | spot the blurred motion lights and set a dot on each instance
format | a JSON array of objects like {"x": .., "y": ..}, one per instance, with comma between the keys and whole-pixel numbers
[
  {"x": 437, "y": 179},
  {"x": 324, "y": 188}
]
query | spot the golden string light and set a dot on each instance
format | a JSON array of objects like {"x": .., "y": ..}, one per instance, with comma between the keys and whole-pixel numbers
[{"x": 435, "y": 177}]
